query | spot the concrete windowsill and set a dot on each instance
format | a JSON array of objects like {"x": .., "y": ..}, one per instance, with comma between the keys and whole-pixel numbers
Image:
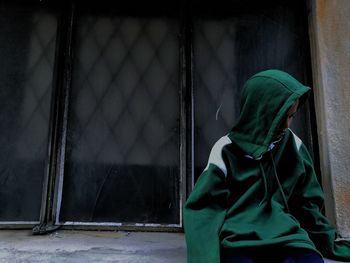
[{"x": 93, "y": 246}]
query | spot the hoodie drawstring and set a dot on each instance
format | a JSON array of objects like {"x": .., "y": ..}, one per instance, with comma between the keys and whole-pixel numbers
[
  {"x": 279, "y": 183},
  {"x": 265, "y": 183}
]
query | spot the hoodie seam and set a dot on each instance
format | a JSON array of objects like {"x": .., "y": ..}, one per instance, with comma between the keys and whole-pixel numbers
[
  {"x": 215, "y": 156},
  {"x": 285, "y": 85}
]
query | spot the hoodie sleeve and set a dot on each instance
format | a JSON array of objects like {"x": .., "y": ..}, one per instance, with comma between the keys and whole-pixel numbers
[
  {"x": 308, "y": 202},
  {"x": 204, "y": 214}
]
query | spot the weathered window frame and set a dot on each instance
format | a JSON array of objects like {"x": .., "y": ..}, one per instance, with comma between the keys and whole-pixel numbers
[{"x": 52, "y": 185}]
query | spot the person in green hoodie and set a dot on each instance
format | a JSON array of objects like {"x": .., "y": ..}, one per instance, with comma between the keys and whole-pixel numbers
[{"x": 258, "y": 199}]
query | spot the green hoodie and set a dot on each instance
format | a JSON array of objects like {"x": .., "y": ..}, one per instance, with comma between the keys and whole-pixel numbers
[{"x": 256, "y": 193}]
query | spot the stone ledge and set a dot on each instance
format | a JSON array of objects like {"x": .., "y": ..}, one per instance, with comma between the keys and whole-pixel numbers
[
  {"x": 17, "y": 246},
  {"x": 92, "y": 246}
]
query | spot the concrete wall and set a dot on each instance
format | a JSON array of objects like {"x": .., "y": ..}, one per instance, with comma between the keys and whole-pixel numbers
[{"x": 329, "y": 22}]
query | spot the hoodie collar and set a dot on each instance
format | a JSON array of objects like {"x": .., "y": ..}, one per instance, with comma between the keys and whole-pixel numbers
[{"x": 272, "y": 145}]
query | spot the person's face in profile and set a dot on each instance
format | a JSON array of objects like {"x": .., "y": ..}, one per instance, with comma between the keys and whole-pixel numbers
[{"x": 286, "y": 121}]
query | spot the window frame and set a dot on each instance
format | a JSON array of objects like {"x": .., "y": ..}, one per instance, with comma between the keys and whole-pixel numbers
[
  {"x": 52, "y": 201},
  {"x": 54, "y": 174}
]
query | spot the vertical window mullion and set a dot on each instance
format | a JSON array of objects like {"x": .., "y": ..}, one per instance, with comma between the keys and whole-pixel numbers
[
  {"x": 47, "y": 185},
  {"x": 184, "y": 164},
  {"x": 188, "y": 97},
  {"x": 62, "y": 69},
  {"x": 51, "y": 206}
]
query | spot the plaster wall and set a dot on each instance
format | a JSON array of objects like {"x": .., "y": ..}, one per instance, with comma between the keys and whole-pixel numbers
[{"x": 330, "y": 54}]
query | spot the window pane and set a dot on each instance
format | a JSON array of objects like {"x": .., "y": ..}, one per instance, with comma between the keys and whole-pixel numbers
[
  {"x": 27, "y": 48},
  {"x": 122, "y": 157},
  {"x": 227, "y": 51}
]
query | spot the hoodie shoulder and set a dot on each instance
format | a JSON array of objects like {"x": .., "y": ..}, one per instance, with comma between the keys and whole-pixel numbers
[{"x": 215, "y": 156}]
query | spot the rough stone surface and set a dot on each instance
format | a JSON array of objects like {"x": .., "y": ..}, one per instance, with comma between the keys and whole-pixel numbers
[
  {"x": 91, "y": 246},
  {"x": 18, "y": 246},
  {"x": 330, "y": 46}
]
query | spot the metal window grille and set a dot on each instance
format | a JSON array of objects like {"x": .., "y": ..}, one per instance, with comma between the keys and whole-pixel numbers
[
  {"x": 139, "y": 99},
  {"x": 122, "y": 152},
  {"x": 27, "y": 48},
  {"x": 227, "y": 51}
]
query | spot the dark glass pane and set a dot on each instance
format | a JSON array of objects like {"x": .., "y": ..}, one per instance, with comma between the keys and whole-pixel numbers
[
  {"x": 227, "y": 51},
  {"x": 27, "y": 48},
  {"x": 122, "y": 158}
]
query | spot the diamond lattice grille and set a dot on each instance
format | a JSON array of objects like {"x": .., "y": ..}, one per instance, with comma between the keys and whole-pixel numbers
[
  {"x": 230, "y": 50},
  {"x": 216, "y": 92},
  {"x": 27, "y": 48},
  {"x": 123, "y": 144}
]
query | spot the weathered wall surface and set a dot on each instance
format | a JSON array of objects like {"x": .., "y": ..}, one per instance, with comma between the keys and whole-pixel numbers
[{"x": 330, "y": 50}]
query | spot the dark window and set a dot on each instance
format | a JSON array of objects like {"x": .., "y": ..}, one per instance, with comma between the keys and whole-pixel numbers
[
  {"x": 228, "y": 49},
  {"x": 109, "y": 110},
  {"x": 122, "y": 152},
  {"x": 27, "y": 49}
]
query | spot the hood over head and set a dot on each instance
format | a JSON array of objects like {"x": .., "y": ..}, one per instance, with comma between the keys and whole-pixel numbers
[{"x": 266, "y": 98}]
